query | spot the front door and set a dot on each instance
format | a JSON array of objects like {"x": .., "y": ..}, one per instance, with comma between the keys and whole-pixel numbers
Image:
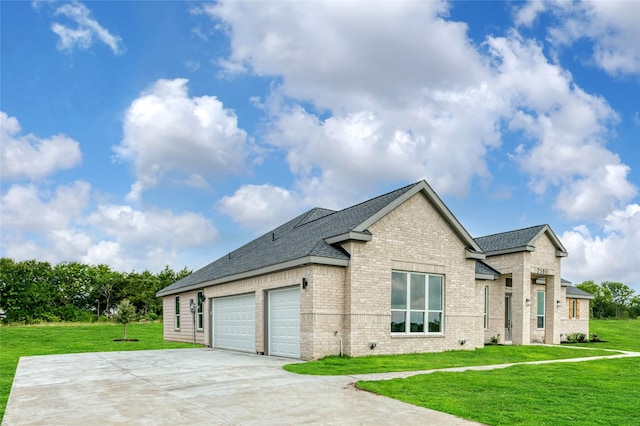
[{"x": 508, "y": 323}]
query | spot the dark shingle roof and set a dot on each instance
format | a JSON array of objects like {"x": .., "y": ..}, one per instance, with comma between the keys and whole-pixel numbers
[
  {"x": 301, "y": 237},
  {"x": 577, "y": 293},
  {"x": 484, "y": 269},
  {"x": 509, "y": 240}
]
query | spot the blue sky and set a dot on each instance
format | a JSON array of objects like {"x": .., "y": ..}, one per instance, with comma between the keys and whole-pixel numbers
[{"x": 143, "y": 134}]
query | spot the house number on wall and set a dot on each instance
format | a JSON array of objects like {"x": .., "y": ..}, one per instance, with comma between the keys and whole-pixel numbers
[{"x": 543, "y": 271}]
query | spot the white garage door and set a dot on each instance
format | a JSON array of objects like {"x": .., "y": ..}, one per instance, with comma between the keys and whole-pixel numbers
[
  {"x": 284, "y": 322},
  {"x": 234, "y": 322}
]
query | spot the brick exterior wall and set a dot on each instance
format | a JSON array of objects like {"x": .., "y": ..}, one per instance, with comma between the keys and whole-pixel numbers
[
  {"x": 523, "y": 267},
  {"x": 413, "y": 238},
  {"x": 580, "y": 324}
]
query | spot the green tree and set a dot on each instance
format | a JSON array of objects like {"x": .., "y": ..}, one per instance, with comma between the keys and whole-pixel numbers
[
  {"x": 621, "y": 295},
  {"x": 27, "y": 293},
  {"x": 124, "y": 314},
  {"x": 602, "y": 303}
]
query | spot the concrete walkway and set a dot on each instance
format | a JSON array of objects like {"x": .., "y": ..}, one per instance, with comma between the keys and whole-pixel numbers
[
  {"x": 404, "y": 374},
  {"x": 214, "y": 387}
]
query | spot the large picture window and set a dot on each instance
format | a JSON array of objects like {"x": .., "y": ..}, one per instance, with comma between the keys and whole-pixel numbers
[
  {"x": 416, "y": 303},
  {"x": 540, "y": 302},
  {"x": 199, "y": 312},
  {"x": 177, "y": 314}
]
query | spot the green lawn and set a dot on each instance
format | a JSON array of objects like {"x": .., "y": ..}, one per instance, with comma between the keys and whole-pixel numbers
[
  {"x": 16, "y": 342},
  {"x": 599, "y": 392}
]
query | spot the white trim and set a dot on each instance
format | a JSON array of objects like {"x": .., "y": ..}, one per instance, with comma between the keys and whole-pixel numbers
[{"x": 351, "y": 235}]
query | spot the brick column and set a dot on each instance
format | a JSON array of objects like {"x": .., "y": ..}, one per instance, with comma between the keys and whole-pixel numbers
[{"x": 552, "y": 309}]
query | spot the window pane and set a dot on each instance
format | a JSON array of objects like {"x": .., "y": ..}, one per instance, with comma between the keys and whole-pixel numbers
[
  {"x": 417, "y": 292},
  {"x": 435, "y": 322},
  {"x": 177, "y": 305},
  {"x": 417, "y": 322},
  {"x": 435, "y": 293},
  {"x": 398, "y": 321},
  {"x": 540, "y": 322},
  {"x": 398, "y": 290},
  {"x": 541, "y": 303}
]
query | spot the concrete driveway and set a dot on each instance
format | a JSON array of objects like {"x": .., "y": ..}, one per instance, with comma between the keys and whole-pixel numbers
[{"x": 183, "y": 386}]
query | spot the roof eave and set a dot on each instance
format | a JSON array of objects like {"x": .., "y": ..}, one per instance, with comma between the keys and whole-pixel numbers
[
  {"x": 349, "y": 236},
  {"x": 561, "y": 253},
  {"x": 474, "y": 255},
  {"x": 486, "y": 277},
  {"x": 301, "y": 261},
  {"x": 511, "y": 250}
]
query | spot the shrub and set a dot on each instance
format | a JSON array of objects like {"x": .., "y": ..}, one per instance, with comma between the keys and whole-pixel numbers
[
  {"x": 495, "y": 340},
  {"x": 577, "y": 338}
]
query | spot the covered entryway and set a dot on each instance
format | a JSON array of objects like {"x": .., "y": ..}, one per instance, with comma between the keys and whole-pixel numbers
[
  {"x": 233, "y": 321},
  {"x": 284, "y": 322}
]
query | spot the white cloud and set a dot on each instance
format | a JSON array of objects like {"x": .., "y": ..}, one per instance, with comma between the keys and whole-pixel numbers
[
  {"x": 612, "y": 256},
  {"x": 87, "y": 28},
  {"x": 402, "y": 105},
  {"x": 611, "y": 26},
  {"x": 346, "y": 54},
  {"x": 32, "y": 157},
  {"x": 567, "y": 129},
  {"x": 60, "y": 225},
  {"x": 260, "y": 207},
  {"x": 27, "y": 208},
  {"x": 166, "y": 131}
]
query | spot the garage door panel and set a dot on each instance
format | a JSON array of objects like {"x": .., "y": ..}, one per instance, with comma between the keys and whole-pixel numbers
[
  {"x": 284, "y": 323},
  {"x": 234, "y": 323}
]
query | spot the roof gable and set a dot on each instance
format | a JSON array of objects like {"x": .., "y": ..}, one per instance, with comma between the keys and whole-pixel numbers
[
  {"x": 519, "y": 240},
  {"x": 313, "y": 237}
]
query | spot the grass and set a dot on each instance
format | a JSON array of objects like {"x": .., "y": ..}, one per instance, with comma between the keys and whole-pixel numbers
[
  {"x": 599, "y": 392},
  {"x": 49, "y": 339},
  {"x": 588, "y": 393},
  {"x": 335, "y": 365}
]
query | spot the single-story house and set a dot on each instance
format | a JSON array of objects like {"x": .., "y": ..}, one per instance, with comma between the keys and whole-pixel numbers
[{"x": 394, "y": 274}]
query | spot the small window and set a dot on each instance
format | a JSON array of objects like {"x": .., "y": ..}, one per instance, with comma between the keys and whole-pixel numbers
[
  {"x": 177, "y": 314},
  {"x": 199, "y": 312},
  {"x": 540, "y": 304},
  {"x": 486, "y": 306},
  {"x": 574, "y": 309},
  {"x": 509, "y": 282},
  {"x": 416, "y": 303}
]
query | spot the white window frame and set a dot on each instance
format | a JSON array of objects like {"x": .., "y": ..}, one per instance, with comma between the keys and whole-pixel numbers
[
  {"x": 200, "y": 310},
  {"x": 176, "y": 317},
  {"x": 407, "y": 310},
  {"x": 574, "y": 308},
  {"x": 486, "y": 307},
  {"x": 540, "y": 296}
]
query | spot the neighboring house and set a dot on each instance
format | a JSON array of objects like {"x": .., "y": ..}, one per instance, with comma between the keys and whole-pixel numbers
[{"x": 394, "y": 274}]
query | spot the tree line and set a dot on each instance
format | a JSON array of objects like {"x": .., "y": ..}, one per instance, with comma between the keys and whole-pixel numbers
[
  {"x": 32, "y": 291},
  {"x": 612, "y": 300}
]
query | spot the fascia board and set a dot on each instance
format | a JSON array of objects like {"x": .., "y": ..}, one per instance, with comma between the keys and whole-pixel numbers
[
  {"x": 351, "y": 235},
  {"x": 560, "y": 250},
  {"x": 486, "y": 277},
  {"x": 474, "y": 255},
  {"x": 510, "y": 250},
  {"x": 307, "y": 260}
]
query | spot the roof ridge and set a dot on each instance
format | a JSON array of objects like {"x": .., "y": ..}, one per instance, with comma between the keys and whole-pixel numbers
[
  {"x": 402, "y": 190},
  {"x": 513, "y": 230},
  {"x": 303, "y": 221}
]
